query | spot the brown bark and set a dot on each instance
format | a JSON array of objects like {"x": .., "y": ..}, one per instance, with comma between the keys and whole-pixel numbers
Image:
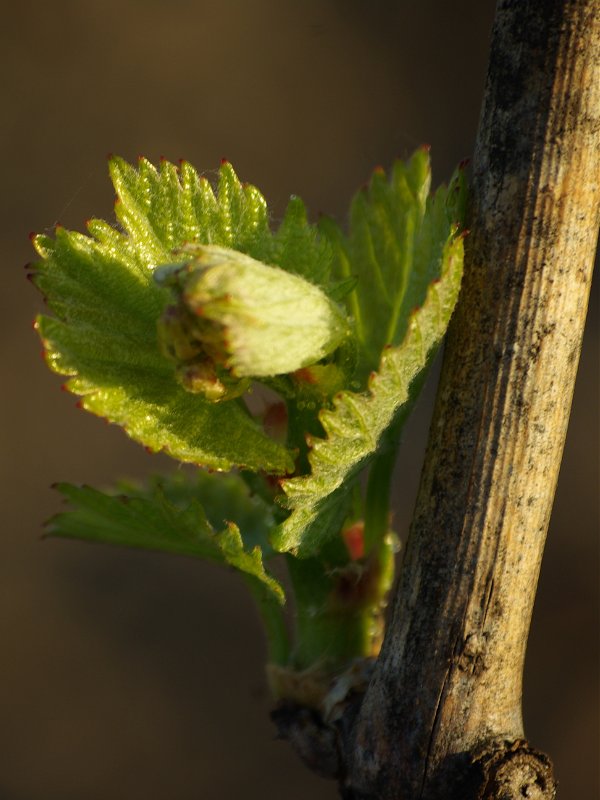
[{"x": 442, "y": 715}]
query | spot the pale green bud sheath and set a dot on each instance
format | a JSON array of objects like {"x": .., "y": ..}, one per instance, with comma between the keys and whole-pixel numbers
[{"x": 250, "y": 319}]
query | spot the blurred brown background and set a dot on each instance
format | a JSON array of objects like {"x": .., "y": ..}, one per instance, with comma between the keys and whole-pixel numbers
[{"x": 132, "y": 675}]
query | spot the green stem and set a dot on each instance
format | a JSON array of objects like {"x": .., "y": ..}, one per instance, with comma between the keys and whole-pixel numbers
[
  {"x": 333, "y": 622},
  {"x": 377, "y": 500},
  {"x": 273, "y": 618}
]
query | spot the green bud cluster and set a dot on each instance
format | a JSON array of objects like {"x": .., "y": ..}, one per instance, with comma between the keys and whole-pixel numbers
[{"x": 236, "y": 318}]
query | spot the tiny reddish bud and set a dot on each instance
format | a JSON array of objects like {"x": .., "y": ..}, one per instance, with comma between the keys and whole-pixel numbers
[
  {"x": 354, "y": 539},
  {"x": 275, "y": 421},
  {"x": 305, "y": 375}
]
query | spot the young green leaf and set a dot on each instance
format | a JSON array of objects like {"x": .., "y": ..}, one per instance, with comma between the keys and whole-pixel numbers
[
  {"x": 428, "y": 276},
  {"x": 106, "y": 306},
  {"x": 393, "y": 250},
  {"x": 209, "y": 516},
  {"x": 224, "y": 498},
  {"x": 169, "y": 516}
]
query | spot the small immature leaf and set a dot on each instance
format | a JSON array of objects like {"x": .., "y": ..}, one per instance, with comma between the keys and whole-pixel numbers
[
  {"x": 298, "y": 247},
  {"x": 169, "y": 516},
  {"x": 393, "y": 250},
  {"x": 223, "y": 497},
  {"x": 414, "y": 260}
]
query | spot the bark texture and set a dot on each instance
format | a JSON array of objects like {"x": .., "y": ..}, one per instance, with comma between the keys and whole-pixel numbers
[{"x": 442, "y": 715}]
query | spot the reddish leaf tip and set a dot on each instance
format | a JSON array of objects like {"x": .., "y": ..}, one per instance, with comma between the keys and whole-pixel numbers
[
  {"x": 224, "y": 161},
  {"x": 425, "y": 148},
  {"x": 31, "y": 235}
]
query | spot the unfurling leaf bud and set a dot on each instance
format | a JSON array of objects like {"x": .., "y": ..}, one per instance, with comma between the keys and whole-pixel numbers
[{"x": 238, "y": 318}]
